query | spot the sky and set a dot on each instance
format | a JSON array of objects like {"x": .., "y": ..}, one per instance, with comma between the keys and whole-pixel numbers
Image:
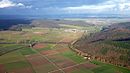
[{"x": 61, "y": 7}]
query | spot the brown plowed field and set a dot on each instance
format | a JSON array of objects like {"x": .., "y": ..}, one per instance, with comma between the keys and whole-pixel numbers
[
  {"x": 49, "y": 52},
  {"x": 23, "y": 70},
  {"x": 36, "y": 60},
  {"x": 39, "y": 45},
  {"x": 2, "y": 70}
]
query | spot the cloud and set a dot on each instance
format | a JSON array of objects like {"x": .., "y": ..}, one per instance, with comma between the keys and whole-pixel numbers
[
  {"x": 110, "y": 6},
  {"x": 9, "y": 3},
  {"x": 89, "y": 8},
  {"x": 121, "y": 5}
]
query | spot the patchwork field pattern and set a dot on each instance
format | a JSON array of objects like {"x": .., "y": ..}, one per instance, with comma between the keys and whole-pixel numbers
[{"x": 55, "y": 57}]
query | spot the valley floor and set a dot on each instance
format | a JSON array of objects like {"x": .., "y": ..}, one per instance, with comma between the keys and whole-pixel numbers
[{"x": 45, "y": 57}]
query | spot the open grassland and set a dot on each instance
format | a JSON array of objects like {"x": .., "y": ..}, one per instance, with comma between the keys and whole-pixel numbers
[
  {"x": 37, "y": 34},
  {"x": 49, "y": 55}
]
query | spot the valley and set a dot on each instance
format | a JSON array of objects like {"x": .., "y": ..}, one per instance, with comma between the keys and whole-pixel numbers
[{"x": 47, "y": 46}]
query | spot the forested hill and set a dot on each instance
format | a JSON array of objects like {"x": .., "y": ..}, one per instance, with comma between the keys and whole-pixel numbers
[
  {"x": 16, "y": 24},
  {"x": 111, "y": 45},
  {"x": 6, "y": 24}
]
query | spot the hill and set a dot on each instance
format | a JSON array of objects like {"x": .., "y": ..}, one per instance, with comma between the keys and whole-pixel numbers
[
  {"x": 110, "y": 45},
  {"x": 17, "y": 24}
]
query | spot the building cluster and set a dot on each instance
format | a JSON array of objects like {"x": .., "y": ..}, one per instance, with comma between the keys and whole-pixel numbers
[{"x": 75, "y": 30}]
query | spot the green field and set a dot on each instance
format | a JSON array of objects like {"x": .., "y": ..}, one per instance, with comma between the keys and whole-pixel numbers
[
  {"x": 27, "y": 51},
  {"x": 73, "y": 56},
  {"x": 83, "y": 70},
  {"x": 108, "y": 68},
  {"x": 16, "y": 65}
]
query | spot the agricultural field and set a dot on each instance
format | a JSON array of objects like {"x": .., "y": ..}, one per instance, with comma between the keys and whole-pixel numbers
[{"x": 49, "y": 54}]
